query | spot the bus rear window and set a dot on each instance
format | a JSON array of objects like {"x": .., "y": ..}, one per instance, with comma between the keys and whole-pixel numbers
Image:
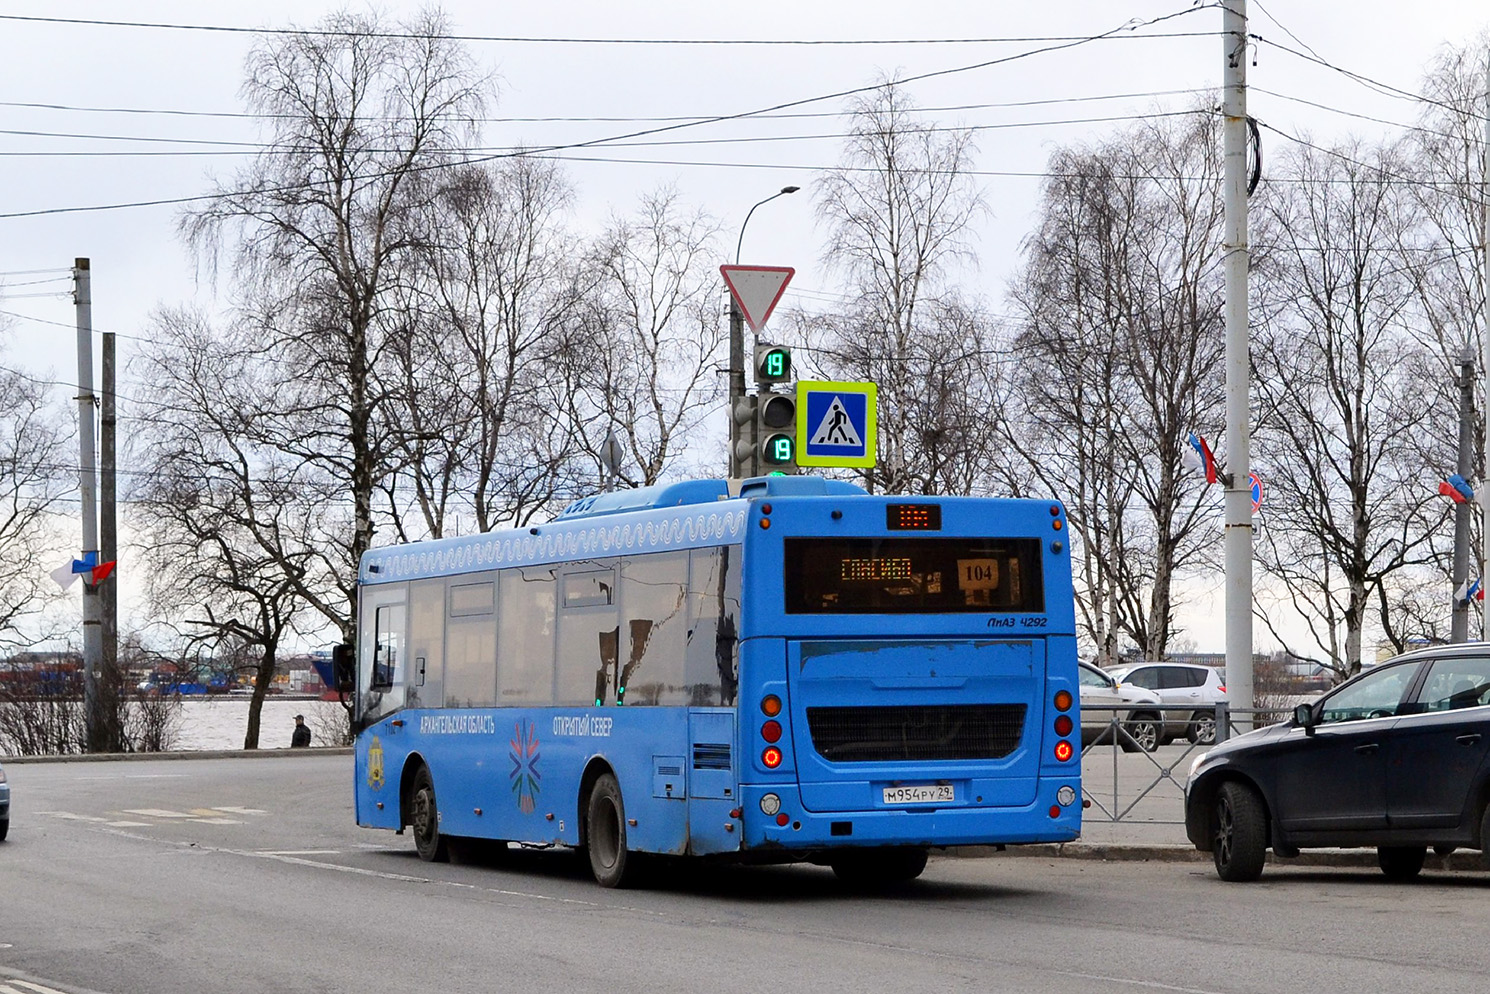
[{"x": 913, "y": 575}]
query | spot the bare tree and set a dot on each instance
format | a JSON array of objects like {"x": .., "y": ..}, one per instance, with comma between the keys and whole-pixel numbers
[
  {"x": 1340, "y": 404},
  {"x": 227, "y": 536},
  {"x": 32, "y": 434},
  {"x": 491, "y": 294},
  {"x": 322, "y": 223},
  {"x": 1118, "y": 359},
  {"x": 898, "y": 213},
  {"x": 640, "y": 358}
]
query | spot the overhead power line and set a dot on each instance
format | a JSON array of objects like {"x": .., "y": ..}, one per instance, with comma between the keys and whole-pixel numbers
[
  {"x": 557, "y": 40},
  {"x": 614, "y": 139}
]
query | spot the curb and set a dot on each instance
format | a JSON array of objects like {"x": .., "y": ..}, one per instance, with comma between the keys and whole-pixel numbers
[
  {"x": 1462, "y": 860},
  {"x": 147, "y": 757}
]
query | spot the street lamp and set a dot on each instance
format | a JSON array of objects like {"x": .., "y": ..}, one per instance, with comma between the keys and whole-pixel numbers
[
  {"x": 741, "y": 241},
  {"x": 737, "y": 343}
]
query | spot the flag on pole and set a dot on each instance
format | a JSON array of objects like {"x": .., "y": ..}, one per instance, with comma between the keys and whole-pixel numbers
[
  {"x": 1470, "y": 590},
  {"x": 93, "y": 571},
  {"x": 1198, "y": 456},
  {"x": 1457, "y": 489}
]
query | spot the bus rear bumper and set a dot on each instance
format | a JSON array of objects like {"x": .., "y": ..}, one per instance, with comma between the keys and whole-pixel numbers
[{"x": 957, "y": 825}]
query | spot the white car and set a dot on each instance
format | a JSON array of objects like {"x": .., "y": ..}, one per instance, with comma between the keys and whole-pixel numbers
[
  {"x": 1180, "y": 686},
  {"x": 1103, "y": 698}
]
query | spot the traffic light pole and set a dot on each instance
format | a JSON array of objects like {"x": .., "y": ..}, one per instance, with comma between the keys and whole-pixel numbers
[{"x": 736, "y": 388}]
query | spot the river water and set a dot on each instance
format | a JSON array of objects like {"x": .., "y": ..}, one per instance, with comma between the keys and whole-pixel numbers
[{"x": 219, "y": 722}]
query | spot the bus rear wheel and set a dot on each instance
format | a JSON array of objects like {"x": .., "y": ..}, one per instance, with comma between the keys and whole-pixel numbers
[
  {"x": 605, "y": 835},
  {"x": 424, "y": 815},
  {"x": 878, "y": 867}
]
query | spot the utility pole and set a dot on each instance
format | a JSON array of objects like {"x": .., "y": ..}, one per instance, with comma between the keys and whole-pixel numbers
[
  {"x": 108, "y": 540},
  {"x": 1485, "y": 338},
  {"x": 92, "y": 609},
  {"x": 1238, "y": 540},
  {"x": 1459, "y": 629}
]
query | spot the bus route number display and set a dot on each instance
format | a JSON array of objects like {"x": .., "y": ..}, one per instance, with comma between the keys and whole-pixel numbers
[{"x": 978, "y": 574}]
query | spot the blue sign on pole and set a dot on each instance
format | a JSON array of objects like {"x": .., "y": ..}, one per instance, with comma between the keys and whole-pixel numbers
[
  {"x": 1255, "y": 482},
  {"x": 835, "y": 423}
]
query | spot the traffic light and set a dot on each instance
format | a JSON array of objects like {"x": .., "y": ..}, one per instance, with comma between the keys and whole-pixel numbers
[
  {"x": 773, "y": 364},
  {"x": 776, "y": 417},
  {"x": 744, "y": 415}
]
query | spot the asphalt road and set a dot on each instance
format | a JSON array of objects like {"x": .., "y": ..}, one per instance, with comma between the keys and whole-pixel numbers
[{"x": 229, "y": 875}]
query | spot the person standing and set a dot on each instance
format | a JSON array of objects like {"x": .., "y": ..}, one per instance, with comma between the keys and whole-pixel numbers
[{"x": 301, "y": 738}]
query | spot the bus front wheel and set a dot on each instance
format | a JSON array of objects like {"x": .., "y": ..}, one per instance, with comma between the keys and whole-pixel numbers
[
  {"x": 424, "y": 815},
  {"x": 605, "y": 835},
  {"x": 878, "y": 867}
]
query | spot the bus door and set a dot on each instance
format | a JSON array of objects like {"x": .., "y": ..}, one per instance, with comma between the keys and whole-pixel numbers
[
  {"x": 959, "y": 717},
  {"x": 382, "y": 683},
  {"x": 712, "y": 782}
]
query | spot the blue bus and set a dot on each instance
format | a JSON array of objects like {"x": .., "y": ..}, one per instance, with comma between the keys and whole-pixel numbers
[{"x": 791, "y": 670}]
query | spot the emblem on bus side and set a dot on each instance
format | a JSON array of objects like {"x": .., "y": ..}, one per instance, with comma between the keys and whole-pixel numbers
[
  {"x": 524, "y": 756},
  {"x": 375, "y": 764}
]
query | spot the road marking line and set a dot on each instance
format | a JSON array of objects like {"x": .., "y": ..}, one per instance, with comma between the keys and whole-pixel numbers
[
  {"x": 129, "y": 824},
  {"x": 217, "y": 821},
  {"x": 69, "y": 816},
  {"x": 242, "y": 811},
  {"x": 157, "y": 813},
  {"x": 25, "y": 985},
  {"x": 299, "y": 852}
]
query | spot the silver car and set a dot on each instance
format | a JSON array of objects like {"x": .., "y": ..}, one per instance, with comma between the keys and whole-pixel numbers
[
  {"x": 1142, "y": 727},
  {"x": 1189, "y": 691}
]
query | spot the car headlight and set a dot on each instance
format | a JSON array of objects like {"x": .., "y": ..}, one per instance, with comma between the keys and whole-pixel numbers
[{"x": 1195, "y": 763}]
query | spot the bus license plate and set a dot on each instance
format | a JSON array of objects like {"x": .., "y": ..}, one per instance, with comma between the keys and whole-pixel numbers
[{"x": 920, "y": 794}]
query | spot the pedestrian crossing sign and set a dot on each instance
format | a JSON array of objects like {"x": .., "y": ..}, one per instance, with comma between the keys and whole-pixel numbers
[{"x": 835, "y": 423}]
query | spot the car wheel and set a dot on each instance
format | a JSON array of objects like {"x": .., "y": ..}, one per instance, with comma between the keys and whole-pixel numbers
[
  {"x": 1240, "y": 845},
  {"x": 605, "y": 835},
  {"x": 4, "y": 828},
  {"x": 878, "y": 867},
  {"x": 1142, "y": 732},
  {"x": 1485, "y": 838},
  {"x": 1202, "y": 728},
  {"x": 424, "y": 815},
  {"x": 1401, "y": 862}
]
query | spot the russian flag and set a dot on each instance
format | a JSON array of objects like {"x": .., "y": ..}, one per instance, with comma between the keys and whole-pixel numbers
[
  {"x": 1199, "y": 457},
  {"x": 1457, "y": 489},
  {"x": 1470, "y": 590}
]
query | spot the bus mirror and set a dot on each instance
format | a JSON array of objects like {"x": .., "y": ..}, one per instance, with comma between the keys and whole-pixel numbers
[{"x": 343, "y": 668}]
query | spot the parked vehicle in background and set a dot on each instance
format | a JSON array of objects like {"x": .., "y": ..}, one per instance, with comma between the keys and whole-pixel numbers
[
  {"x": 1188, "y": 684},
  {"x": 4, "y": 805},
  {"x": 1395, "y": 758},
  {"x": 1142, "y": 727}
]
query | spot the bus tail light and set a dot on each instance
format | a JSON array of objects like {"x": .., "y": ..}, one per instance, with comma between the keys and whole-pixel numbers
[
  {"x": 770, "y": 705},
  {"x": 1063, "y": 751},
  {"x": 1063, "y": 700},
  {"x": 771, "y": 731},
  {"x": 1063, "y": 724},
  {"x": 770, "y": 804},
  {"x": 772, "y": 757}
]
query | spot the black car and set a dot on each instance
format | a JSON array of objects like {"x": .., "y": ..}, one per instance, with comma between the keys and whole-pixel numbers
[{"x": 1394, "y": 758}]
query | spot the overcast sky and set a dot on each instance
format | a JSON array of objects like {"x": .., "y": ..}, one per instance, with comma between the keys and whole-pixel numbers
[{"x": 103, "y": 138}]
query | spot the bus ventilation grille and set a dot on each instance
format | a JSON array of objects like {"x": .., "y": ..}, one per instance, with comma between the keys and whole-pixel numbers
[
  {"x": 951, "y": 731},
  {"x": 711, "y": 755}
]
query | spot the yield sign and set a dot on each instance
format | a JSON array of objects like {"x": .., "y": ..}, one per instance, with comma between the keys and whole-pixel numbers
[{"x": 756, "y": 289}]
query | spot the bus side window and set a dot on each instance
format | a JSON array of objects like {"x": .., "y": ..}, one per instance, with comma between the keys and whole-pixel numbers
[
  {"x": 525, "y": 635},
  {"x": 471, "y": 642},
  {"x": 654, "y": 640},
  {"x": 712, "y": 661},
  {"x": 388, "y": 646}
]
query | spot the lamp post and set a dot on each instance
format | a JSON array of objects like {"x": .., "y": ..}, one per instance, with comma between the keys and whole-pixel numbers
[{"x": 737, "y": 342}]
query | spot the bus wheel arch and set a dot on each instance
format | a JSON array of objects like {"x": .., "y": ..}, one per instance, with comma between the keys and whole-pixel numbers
[
  {"x": 594, "y": 770},
  {"x": 423, "y": 813},
  {"x": 412, "y": 765},
  {"x": 603, "y": 829}
]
